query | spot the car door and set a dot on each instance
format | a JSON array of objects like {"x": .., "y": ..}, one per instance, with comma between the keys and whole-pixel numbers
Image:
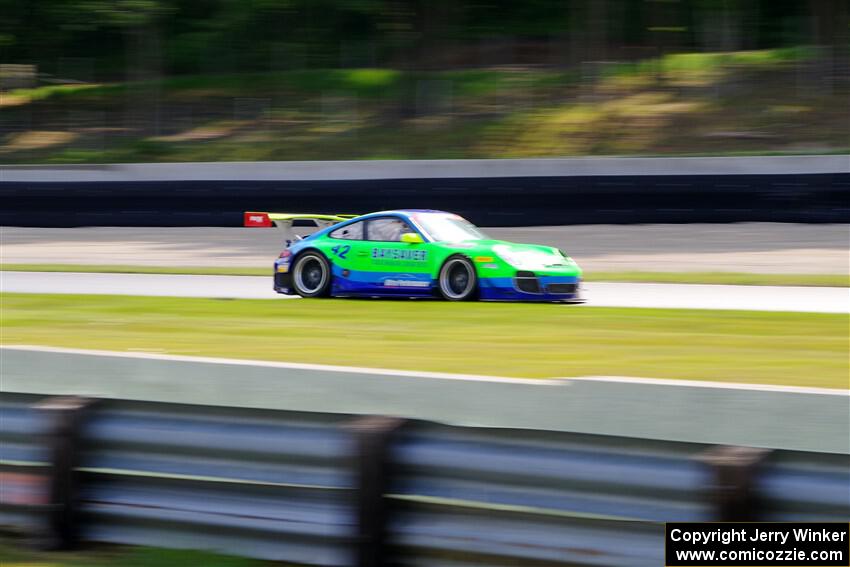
[
  {"x": 348, "y": 253},
  {"x": 396, "y": 267}
]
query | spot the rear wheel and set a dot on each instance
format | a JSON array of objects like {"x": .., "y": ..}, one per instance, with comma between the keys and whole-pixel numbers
[
  {"x": 311, "y": 275},
  {"x": 458, "y": 280}
]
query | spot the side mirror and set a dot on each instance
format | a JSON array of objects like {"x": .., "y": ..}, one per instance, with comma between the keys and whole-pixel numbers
[{"x": 411, "y": 238}]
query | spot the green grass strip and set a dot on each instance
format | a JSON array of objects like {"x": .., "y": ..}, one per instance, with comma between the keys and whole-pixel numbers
[
  {"x": 200, "y": 478},
  {"x": 730, "y": 278},
  {"x": 502, "y": 339},
  {"x": 18, "y": 553},
  {"x": 504, "y": 508}
]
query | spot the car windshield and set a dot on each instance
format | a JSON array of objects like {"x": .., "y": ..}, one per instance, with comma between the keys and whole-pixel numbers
[{"x": 445, "y": 227}]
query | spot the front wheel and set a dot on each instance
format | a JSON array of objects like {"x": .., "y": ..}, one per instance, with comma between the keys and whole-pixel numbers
[
  {"x": 311, "y": 275},
  {"x": 458, "y": 280}
]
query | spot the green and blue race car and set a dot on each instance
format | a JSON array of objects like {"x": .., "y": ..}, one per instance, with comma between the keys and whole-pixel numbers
[{"x": 414, "y": 253}]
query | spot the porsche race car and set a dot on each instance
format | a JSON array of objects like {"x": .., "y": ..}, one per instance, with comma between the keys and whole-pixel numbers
[{"x": 413, "y": 253}]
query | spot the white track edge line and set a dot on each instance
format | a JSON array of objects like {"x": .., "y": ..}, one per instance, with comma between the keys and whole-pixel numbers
[
  {"x": 712, "y": 384},
  {"x": 434, "y": 375},
  {"x": 287, "y": 365}
]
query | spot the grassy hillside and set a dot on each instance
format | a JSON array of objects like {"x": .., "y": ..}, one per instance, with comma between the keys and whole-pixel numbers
[{"x": 687, "y": 104}]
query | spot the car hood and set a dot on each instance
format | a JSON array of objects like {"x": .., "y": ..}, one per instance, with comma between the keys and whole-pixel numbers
[{"x": 520, "y": 256}]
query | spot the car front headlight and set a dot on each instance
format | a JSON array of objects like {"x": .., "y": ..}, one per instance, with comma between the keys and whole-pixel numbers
[
  {"x": 512, "y": 258},
  {"x": 532, "y": 259},
  {"x": 527, "y": 259},
  {"x": 567, "y": 260}
]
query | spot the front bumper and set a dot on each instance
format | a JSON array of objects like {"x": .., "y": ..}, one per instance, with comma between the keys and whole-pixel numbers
[{"x": 532, "y": 287}]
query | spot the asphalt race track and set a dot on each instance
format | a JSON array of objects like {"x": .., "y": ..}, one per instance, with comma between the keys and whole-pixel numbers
[
  {"x": 738, "y": 247},
  {"x": 741, "y": 247},
  {"x": 685, "y": 296}
]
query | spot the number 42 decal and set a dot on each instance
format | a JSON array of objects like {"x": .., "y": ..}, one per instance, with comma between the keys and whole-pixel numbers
[{"x": 341, "y": 250}]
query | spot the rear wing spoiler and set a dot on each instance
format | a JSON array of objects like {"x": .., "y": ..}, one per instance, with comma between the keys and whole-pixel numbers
[
  {"x": 255, "y": 219},
  {"x": 286, "y": 222}
]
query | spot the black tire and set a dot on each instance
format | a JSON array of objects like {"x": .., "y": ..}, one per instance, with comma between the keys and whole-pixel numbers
[
  {"x": 458, "y": 280},
  {"x": 311, "y": 275}
]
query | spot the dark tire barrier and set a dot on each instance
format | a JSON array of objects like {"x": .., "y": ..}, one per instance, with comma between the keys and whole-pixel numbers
[{"x": 488, "y": 192}]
